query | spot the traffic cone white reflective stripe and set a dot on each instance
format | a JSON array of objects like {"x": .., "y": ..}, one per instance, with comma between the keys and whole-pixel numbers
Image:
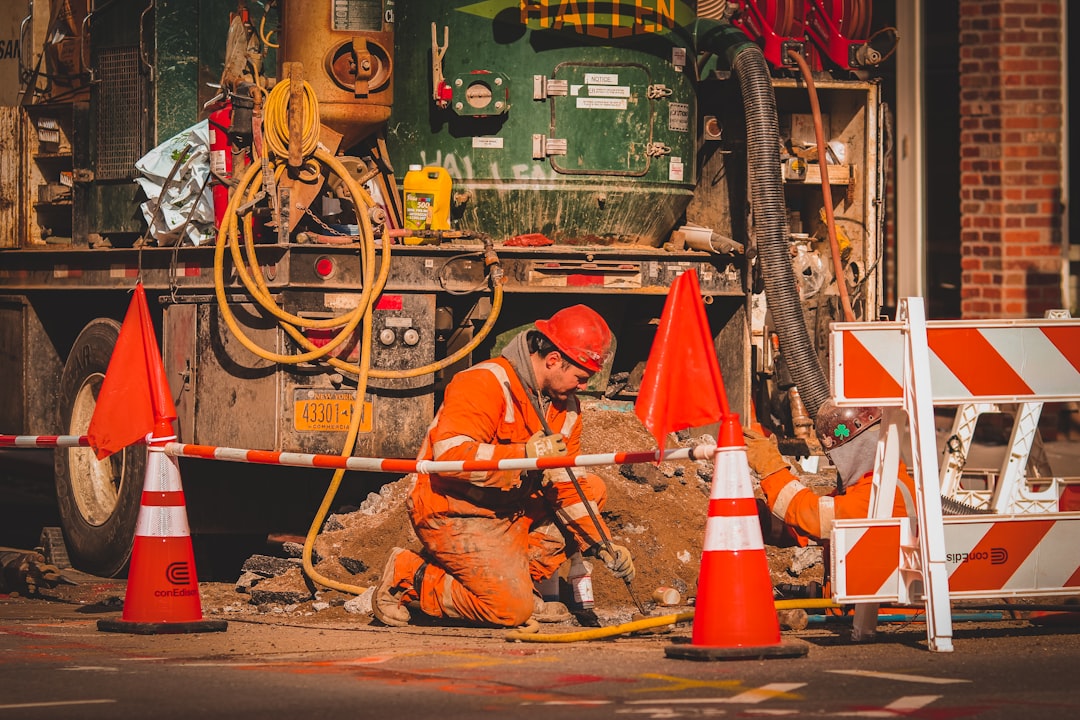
[{"x": 733, "y": 521}]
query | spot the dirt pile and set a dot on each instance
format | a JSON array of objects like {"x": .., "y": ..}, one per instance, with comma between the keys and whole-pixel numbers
[{"x": 657, "y": 511}]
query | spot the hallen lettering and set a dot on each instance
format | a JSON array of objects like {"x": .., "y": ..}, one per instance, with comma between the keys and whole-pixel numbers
[{"x": 603, "y": 20}]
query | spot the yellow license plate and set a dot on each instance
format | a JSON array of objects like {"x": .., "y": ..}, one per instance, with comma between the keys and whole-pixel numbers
[{"x": 327, "y": 411}]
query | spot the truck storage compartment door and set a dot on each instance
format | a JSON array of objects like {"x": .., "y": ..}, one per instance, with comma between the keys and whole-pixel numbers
[{"x": 605, "y": 119}]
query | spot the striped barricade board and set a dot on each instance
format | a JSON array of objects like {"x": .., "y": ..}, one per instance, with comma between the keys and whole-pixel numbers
[
  {"x": 983, "y": 361},
  {"x": 987, "y": 556}
]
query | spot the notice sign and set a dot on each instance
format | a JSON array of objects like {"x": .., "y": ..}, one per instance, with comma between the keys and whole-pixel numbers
[
  {"x": 592, "y": 103},
  {"x": 678, "y": 119}
]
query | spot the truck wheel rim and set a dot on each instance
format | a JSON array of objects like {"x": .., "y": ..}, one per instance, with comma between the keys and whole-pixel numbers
[{"x": 95, "y": 484}]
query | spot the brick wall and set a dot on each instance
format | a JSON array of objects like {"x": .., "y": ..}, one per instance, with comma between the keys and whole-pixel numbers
[{"x": 1011, "y": 166}]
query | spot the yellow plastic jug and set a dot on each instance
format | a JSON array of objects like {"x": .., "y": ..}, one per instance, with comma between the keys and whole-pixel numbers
[{"x": 427, "y": 201}]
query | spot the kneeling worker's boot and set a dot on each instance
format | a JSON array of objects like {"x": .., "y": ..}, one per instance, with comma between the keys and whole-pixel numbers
[
  {"x": 395, "y": 588},
  {"x": 550, "y": 611}
]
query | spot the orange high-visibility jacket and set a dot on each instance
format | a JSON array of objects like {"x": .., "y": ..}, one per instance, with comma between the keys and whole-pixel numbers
[
  {"x": 486, "y": 415},
  {"x": 810, "y": 515}
]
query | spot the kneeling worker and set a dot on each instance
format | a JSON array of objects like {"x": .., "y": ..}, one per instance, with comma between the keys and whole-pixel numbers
[{"x": 488, "y": 536}]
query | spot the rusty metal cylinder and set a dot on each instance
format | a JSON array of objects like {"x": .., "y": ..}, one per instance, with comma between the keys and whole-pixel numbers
[{"x": 346, "y": 48}]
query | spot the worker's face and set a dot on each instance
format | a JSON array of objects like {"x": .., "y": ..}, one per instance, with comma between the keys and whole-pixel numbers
[{"x": 562, "y": 378}]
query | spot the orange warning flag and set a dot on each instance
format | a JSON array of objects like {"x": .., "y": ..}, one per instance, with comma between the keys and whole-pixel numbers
[
  {"x": 682, "y": 386},
  {"x": 134, "y": 394}
]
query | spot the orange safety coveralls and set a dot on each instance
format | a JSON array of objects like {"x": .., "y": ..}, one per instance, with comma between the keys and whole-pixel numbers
[
  {"x": 488, "y": 535},
  {"x": 809, "y": 515}
]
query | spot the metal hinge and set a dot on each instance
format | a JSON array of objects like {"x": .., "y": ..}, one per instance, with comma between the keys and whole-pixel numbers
[
  {"x": 544, "y": 87},
  {"x": 544, "y": 146},
  {"x": 657, "y": 91}
]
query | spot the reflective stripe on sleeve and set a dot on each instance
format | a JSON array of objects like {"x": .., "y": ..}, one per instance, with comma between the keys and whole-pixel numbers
[
  {"x": 575, "y": 513},
  {"x": 504, "y": 383},
  {"x": 450, "y": 443},
  {"x": 826, "y": 515},
  {"x": 783, "y": 499},
  {"x": 568, "y": 423}
]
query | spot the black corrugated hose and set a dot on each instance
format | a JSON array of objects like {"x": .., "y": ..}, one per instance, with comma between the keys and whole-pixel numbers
[{"x": 767, "y": 205}]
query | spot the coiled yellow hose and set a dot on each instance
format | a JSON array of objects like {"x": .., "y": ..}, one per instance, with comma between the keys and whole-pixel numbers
[{"x": 246, "y": 194}]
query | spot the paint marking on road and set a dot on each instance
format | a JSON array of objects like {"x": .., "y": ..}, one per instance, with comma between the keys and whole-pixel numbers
[
  {"x": 904, "y": 706},
  {"x": 901, "y": 676},
  {"x": 571, "y": 702},
  {"x": 288, "y": 660},
  {"x": 749, "y": 697},
  {"x": 54, "y": 703},
  {"x": 369, "y": 660},
  {"x": 238, "y": 664},
  {"x": 674, "y": 684}
]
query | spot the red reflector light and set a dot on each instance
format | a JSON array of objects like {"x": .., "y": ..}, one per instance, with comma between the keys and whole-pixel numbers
[
  {"x": 324, "y": 267},
  {"x": 390, "y": 302}
]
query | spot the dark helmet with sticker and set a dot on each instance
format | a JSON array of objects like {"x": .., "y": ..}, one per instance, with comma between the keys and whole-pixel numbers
[{"x": 836, "y": 426}]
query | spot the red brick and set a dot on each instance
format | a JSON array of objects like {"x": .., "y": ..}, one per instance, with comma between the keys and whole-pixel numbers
[
  {"x": 1014, "y": 309},
  {"x": 1026, "y": 236}
]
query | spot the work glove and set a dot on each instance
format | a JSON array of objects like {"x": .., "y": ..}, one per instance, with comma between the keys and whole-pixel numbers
[
  {"x": 26, "y": 571},
  {"x": 541, "y": 445},
  {"x": 617, "y": 559},
  {"x": 762, "y": 454}
]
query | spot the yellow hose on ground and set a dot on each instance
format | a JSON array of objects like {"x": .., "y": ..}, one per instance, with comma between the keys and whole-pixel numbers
[
  {"x": 648, "y": 624},
  {"x": 247, "y": 193}
]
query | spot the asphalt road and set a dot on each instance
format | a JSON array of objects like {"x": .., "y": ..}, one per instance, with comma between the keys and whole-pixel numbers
[{"x": 55, "y": 663}]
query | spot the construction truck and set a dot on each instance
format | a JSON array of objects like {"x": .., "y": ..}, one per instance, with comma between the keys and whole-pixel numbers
[{"x": 334, "y": 205}]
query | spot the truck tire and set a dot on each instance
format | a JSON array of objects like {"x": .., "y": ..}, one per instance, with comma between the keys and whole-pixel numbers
[{"x": 98, "y": 500}]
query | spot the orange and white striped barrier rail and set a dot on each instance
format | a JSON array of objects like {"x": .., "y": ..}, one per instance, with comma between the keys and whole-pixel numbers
[
  {"x": 43, "y": 441},
  {"x": 986, "y": 556},
  {"x": 400, "y": 465},
  {"x": 988, "y": 361},
  {"x": 372, "y": 464}
]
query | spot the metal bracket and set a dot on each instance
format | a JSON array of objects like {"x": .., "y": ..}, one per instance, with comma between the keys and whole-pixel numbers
[
  {"x": 440, "y": 90},
  {"x": 543, "y": 146},
  {"x": 545, "y": 87}
]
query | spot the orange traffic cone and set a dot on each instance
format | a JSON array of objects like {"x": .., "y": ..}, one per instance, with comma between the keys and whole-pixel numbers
[
  {"x": 734, "y": 615},
  {"x": 162, "y": 589},
  {"x": 134, "y": 402}
]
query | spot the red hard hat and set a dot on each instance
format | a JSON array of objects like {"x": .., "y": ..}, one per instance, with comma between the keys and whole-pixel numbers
[
  {"x": 836, "y": 426},
  {"x": 581, "y": 335}
]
